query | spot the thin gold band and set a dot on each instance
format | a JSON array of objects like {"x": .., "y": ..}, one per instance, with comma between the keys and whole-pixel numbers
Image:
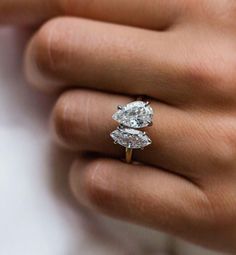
[{"x": 128, "y": 155}]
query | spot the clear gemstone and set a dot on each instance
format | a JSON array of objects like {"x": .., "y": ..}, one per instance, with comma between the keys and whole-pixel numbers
[
  {"x": 130, "y": 138},
  {"x": 137, "y": 114}
]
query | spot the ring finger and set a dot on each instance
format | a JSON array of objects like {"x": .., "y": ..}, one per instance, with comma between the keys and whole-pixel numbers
[{"x": 82, "y": 121}]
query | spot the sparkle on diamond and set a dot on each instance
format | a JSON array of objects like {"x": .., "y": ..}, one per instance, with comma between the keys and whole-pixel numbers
[
  {"x": 130, "y": 138},
  {"x": 135, "y": 115}
]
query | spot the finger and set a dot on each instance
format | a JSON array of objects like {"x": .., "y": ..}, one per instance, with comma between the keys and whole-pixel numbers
[
  {"x": 83, "y": 121},
  {"x": 108, "y": 57},
  {"x": 27, "y": 12},
  {"x": 144, "y": 195},
  {"x": 152, "y": 14}
]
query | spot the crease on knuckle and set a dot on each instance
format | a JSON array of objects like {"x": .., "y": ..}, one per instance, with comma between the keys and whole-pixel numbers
[
  {"x": 48, "y": 52},
  {"x": 215, "y": 80},
  {"x": 62, "y": 119},
  {"x": 203, "y": 209},
  {"x": 97, "y": 188},
  {"x": 72, "y": 119},
  {"x": 223, "y": 147},
  {"x": 200, "y": 74}
]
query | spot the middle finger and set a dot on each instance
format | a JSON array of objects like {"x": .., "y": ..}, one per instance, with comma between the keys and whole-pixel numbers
[{"x": 77, "y": 52}]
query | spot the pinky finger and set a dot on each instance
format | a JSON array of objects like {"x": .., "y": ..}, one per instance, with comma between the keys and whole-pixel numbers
[{"x": 141, "y": 194}]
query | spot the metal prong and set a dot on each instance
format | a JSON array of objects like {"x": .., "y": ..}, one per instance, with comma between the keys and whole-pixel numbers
[
  {"x": 147, "y": 103},
  {"x": 150, "y": 123},
  {"x": 119, "y": 107},
  {"x": 115, "y": 142},
  {"x": 144, "y": 133}
]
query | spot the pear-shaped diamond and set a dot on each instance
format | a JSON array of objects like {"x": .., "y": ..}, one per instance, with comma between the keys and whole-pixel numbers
[
  {"x": 130, "y": 138},
  {"x": 137, "y": 114}
]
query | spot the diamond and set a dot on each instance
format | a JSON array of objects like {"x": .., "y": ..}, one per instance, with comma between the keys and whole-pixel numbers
[
  {"x": 137, "y": 114},
  {"x": 130, "y": 138}
]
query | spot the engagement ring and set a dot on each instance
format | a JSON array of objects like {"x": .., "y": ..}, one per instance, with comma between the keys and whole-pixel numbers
[{"x": 131, "y": 117}]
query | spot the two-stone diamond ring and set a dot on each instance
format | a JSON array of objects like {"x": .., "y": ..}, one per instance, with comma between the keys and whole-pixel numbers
[{"x": 131, "y": 118}]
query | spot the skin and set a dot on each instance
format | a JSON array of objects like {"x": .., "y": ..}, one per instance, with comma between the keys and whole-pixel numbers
[{"x": 182, "y": 55}]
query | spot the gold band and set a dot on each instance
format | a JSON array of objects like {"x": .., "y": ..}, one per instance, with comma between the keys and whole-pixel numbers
[{"x": 128, "y": 155}]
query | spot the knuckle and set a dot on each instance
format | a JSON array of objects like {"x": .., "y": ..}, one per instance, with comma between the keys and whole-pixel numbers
[
  {"x": 215, "y": 79},
  {"x": 204, "y": 213},
  {"x": 48, "y": 47},
  {"x": 200, "y": 74},
  {"x": 71, "y": 123},
  {"x": 223, "y": 145},
  {"x": 97, "y": 186},
  {"x": 64, "y": 121}
]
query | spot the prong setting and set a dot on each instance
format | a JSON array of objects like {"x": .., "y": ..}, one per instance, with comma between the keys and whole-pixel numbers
[{"x": 137, "y": 114}]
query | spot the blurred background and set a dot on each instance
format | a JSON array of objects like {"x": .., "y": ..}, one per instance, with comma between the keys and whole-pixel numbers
[{"x": 38, "y": 216}]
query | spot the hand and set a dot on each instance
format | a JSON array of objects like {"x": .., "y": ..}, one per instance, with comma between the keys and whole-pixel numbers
[{"x": 182, "y": 54}]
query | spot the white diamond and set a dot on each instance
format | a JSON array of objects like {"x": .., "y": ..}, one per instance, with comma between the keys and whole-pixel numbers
[
  {"x": 137, "y": 114},
  {"x": 130, "y": 138}
]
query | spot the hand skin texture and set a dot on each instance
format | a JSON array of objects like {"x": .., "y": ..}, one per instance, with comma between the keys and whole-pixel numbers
[{"x": 181, "y": 54}]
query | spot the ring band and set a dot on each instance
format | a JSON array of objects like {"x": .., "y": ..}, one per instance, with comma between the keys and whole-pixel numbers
[
  {"x": 132, "y": 117},
  {"x": 128, "y": 155}
]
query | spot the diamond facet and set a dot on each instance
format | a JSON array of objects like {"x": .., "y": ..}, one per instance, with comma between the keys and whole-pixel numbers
[
  {"x": 137, "y": 114},
  {"x": 130, "y": 138}
]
